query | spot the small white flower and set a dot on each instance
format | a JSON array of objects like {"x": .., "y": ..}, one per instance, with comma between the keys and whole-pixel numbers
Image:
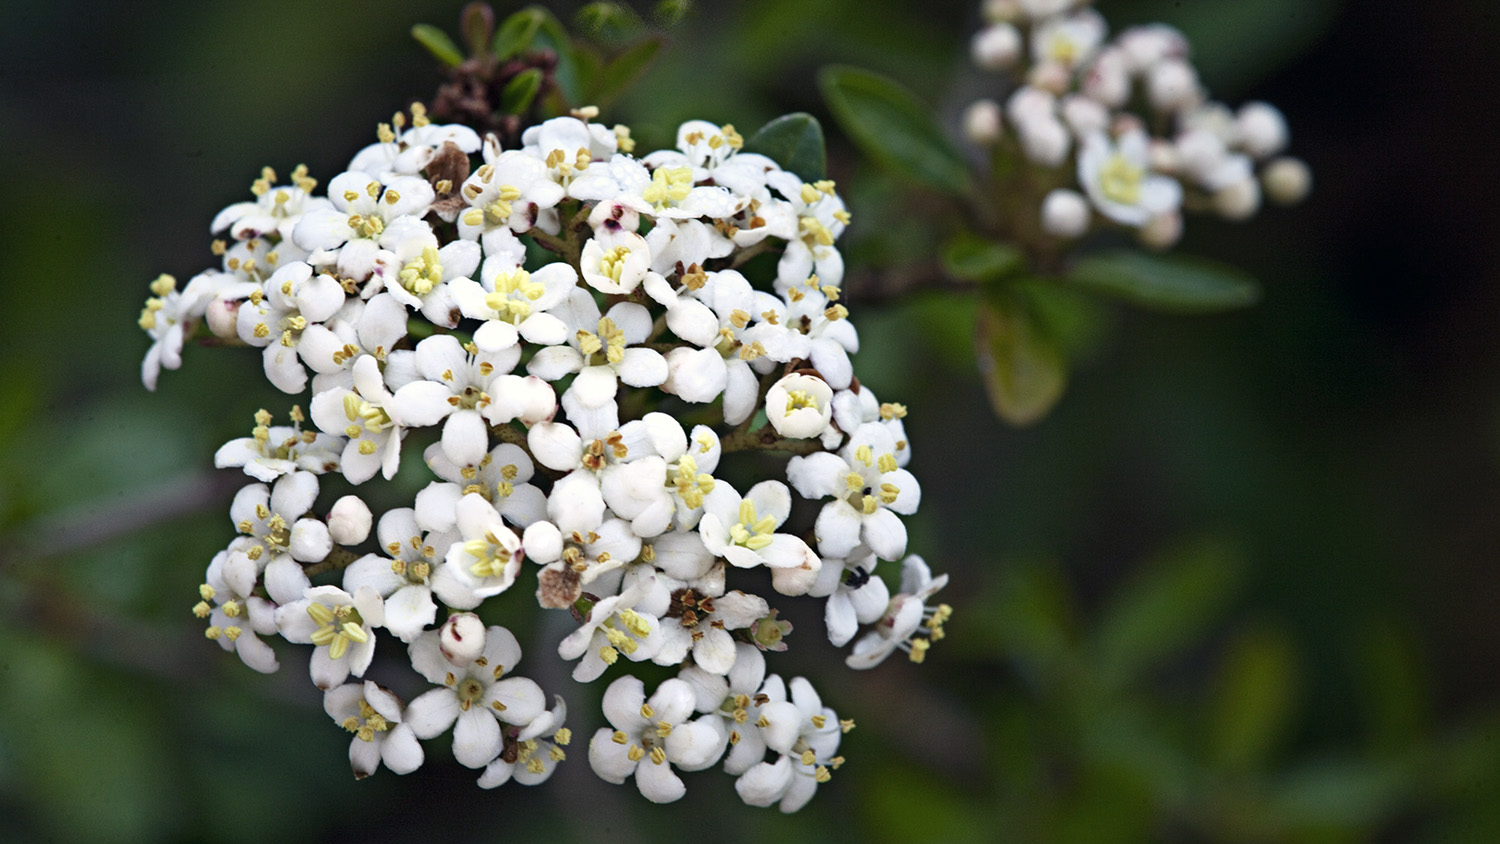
[
  {"x": 412, "y": 573},
  {"x": 650, "y": 736},
  {"x": 1118, "y": 178},
  {"x": 743, "y": 530},
  {"x": 373, "y": 715},
  {"x": 800, "y": 406},
  {"x": 904, "y": 618},
  {"x": 489, "y": 557},
  {"x": 367, "y": 417},
  {"x": 868, "y": 488},
  {"x": 293, "y": 299},
  {"x": 238, "y": 618},
  {"x": 340, "y": 625},
  {"x": 275, "y": 535},
  {"x": 270, "y": 452},
  {"x": 474, "y": 699}
]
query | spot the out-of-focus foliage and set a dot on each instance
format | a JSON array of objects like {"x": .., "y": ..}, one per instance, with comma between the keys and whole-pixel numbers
[{"x": 1316, "y": 666}]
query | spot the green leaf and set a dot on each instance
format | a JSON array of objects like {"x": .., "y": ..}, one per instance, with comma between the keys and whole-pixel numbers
[
  {"x": 893, "y": 127},
  {"x": 669, "y": 13},
  {"x": 516, "y": 33},
  {"x": 608, "y": 22},
  {"x": 1020, "y": 357},
  {"x": 973, "y": 258},
  {"x": 477, "y": 23},
  {"x": 1166, "y": 609},
  {"x": 520, "y": 91},
  {"x": 438, "y": 44},
  {"x": 795, "y": 141},
  {"x": 1252, "y": 700},
  {"x": 625, "y": 69},
  {"x": 1171, "y": 283}
]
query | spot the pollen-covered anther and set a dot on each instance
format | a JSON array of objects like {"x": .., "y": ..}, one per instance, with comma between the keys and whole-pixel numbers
[{"x": 919, "y": 649}]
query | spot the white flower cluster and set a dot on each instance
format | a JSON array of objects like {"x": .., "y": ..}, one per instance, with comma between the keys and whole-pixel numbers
[
  {"x": 1134, "y": 170},
  {"x": 589, "y": 358}
]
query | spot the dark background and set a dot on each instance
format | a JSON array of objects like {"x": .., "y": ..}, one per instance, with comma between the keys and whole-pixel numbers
[{"x": 1241, "y": 586}]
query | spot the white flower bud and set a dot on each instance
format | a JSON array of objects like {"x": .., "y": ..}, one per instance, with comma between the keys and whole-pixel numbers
[
  {"x": 461, "y": 639},
  {"x": 1084, "y": 115},
  {"x": 1164, "y": 157},
  {"x": 1144, "y": 46},
  {"x": 996, "y": 47},
  {"x": 614, "y": 216},
  {"x": 1287, "y": 180},
  {"x": 1045, "y": 140},
  {"x": 800, "y": 406},
  {"x": 1049, "y": 76},
  {"x": 349, "y": 520},
  {"x": 982, "y": 124},
  {"x": 1238, "y": 200},
  {"x": 1108, "y": 79},
  {"x": 223, "y": 318},
  {"x": 1065, "y": 213},
  {"x": 1172, "y": 85},
  {"x": 1162, "y": 231},
  {"x": 1200, "y": 152},
  {"x": 1262, "y": 130}
]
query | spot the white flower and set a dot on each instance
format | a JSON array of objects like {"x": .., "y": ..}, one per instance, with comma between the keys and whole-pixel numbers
[
  {"x": 453, "y": 387},
  {"x": 420, "y": 275},
  {"x": 515, "y": 303},
  {"x": 500, "y": 477},
  {"x": 489, "y": 558},
  {"x": 577, "y": 559},
  {"x": 535, "y": 757},
  {"x": 340, "y": 625},
  {"x": 238, "y": 618},
  {"x": 800, "y": 406},
  {"x": 276, "y": 537},
  {"x": 855, "y": 595},
  {"x": 373, "y": 715},
  {"x": 743, "y": 530},
  {"x": 698, "y": 618},
  {"x": 600, "y": 350},
  {"x": 1118, "y": 178},
  {"x": 360, "y": 328},
  {"x": 275, "y": 210},
  {"x": 806, "y": 735},
  {"x": 611, "y": 627},
  {"x": 367, "y": 417},
  {"x": 170, "y": 316},
  {"x": 474, "y": 699},
  {"x": 906, "y": 615},
  {"x": 412, "y": 573},
  {"x": 650, "y": 736},
  {"x": 820, "y": 219},
  {"x": 293, "y": 299},
  {"x": 731, "y": 697},
  {"x": 367, "y": 215},
  {"x": 1068, "y": 41},
  {"x": 868, "y": 488},
  {"x": 268, "y": 453},
  {"x": 505, "y": 198}
]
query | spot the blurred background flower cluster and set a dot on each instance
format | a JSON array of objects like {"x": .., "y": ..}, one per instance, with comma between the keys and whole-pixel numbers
[{"x": 1241, "y": 585}]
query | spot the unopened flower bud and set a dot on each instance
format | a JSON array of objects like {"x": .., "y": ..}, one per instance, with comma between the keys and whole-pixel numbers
[
  {"x": 1065, "y": 213},
  {"x": 1083, "y": 115},
  {"x": 349, "y": 521},
  {"x": 223, "y": 318},
  {"x": 1144, "y": 46},
  {"x": 998, "y": 11},
  {"x": 1172, "y": 85},
  {"x": 1045, "y": 140},
  {"x": 1108, "y": 79},
  {"x": 1049, "y": 76},
  {"x": 996, "y": 47},
  {"x": 1164, "y": 158},
  {"x": 1162, "y": 231},
  {"x": 1287, "y": 180},
  {"x": 982, "y": 123},
  {"x": 1262, "y": 129},
  {"x": 800, "y": 406},
  {"x": 1238, "y": 200},
  {"x": 461, "y": 638}
]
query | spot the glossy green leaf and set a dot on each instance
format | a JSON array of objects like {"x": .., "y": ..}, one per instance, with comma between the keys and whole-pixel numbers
[
  {"x": 1166, "y": 609},
  {"x": 1253, "y": 700},
  {"x": 893, "y": 127},
  {"x": 624, "y": 70},
  {"x": 520, "y": 91},
  {"x": 795, "y": 141},
  {"x": 516, "y": 33},
  {"x": 438, "y": 44},
  {"x": 1172, "y": 283},
  {"x": 973, "y": 258},
  {"x": 1020, "y": 357}
]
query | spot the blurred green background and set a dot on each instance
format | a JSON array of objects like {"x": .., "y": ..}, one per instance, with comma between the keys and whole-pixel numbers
[{"x": 1241, "y": 586}]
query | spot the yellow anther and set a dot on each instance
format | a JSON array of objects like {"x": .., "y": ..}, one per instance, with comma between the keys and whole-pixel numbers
[
  {"x": 1121, "y": 180},
  {"x": 233, "y": 609},
  {"x": 819, "y": 721},
  {"x": 854, "y": 481},
  {"x": 419, "y": 115},
  {"x": 213, "y": 633},
  {"x": 810, "y": 195},
  {"x": 588, "y": 344},
  {"x": 919, "y": 649},
  {"x": 865, "y": 455},
  {"x": 846, "y": 724},
  {"x": 887, "y": 463},
  {"x": 619, "y": 738},
  {"x": 815, "y": 231},
  {"x": 623, "y": 139},
  {"x": 663, "y": 729},
  {"x": 635, "y": 753},
  {"x": 836, "y": 312},
  {"x": 612, "y": 263},
  {"x": 206, "y": 592},
  {"x": 825, "y": 186},
  {"x": 669, "y": 184},
  {"x": 647, "y": 711},
  {"x": 658, "y": 755},
  {"x": 809, "y": 758},
  {"x": 821, "y": 774},
  {"x": 202, "y": 609},
  {"x": 739, "y": 318},
  {"x": 868, "y": 505},
  {"x": 262, "y": 330},
  {"x": 889, "y": 493},
  {"x": 367, "y": 447},
  {"x": 732, "y": 137},
  {"x": 163, "y": 284},
  {"x": 798, "y": 399}
]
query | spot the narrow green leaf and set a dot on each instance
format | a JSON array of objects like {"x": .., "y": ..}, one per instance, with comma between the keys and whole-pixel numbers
[
  {"x": 516, "y": 33},
  {"x": 1166, "y": 609},
  {"x": 477, "y": 23},
  {"x": 438, "y": 44},
  {"x": 795, "y": 141},
  {"x": 520, "y": 91},
  {"x": 1172, "y": 283},
  {"x": 1252, "y": 700},
  {"x": 893, "y": 127},
  {"x": 973, "y": 258},
  {"x": 1020, "y": 359},
  {"x": 625, "y": 69}
]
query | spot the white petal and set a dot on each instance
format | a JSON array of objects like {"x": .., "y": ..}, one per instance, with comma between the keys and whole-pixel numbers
[{"x": 476, "y": 738}]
